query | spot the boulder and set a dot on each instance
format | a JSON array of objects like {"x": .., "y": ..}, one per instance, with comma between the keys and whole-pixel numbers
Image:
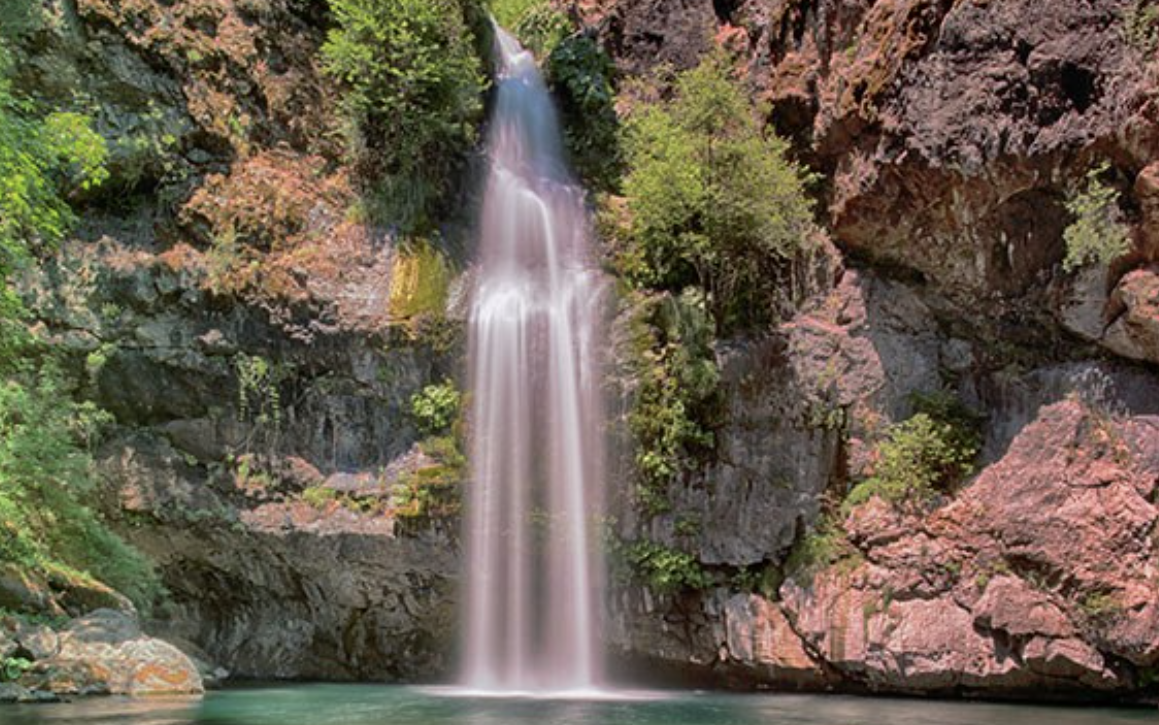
[{"x": 105, "y": 652}]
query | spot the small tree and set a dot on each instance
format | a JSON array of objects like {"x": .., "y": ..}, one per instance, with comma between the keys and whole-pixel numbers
[
  {"x": 1098, "y": 234},
  {"x": 713, "y": 199}
]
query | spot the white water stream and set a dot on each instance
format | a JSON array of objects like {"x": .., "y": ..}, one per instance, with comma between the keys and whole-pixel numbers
[{"x": 537, "y": 451}]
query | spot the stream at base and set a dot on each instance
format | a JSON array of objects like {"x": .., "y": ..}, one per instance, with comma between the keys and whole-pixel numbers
[{"x": 388, "y": 705}]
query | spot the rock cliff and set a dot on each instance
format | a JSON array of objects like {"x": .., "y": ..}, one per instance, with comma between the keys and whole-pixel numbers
[
  {"x": 950, "y": 135},
  {"x": 226, "y": 300}
]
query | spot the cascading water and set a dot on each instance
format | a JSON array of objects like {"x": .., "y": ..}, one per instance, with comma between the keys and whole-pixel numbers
[{"x": 537, "y": 452}]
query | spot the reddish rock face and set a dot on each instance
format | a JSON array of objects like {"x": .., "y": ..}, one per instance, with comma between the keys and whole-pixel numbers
[{"x": 1040, "y": 574}]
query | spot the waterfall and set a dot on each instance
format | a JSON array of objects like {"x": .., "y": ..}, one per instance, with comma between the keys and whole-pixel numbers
[{"x": 532, "y": 579}]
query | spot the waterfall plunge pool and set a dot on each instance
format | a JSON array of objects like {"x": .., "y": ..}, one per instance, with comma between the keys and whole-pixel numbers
[{"x": 393, "y": 705}]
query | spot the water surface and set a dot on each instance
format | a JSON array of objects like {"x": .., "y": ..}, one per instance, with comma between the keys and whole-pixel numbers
[{"x": 383, "y": 705}]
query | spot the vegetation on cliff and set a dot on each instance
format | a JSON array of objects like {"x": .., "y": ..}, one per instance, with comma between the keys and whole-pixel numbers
[
  {"x": 46, "y": 156},
  {"x": 714, "y": 201},
  {"x": 413, "y": 80}
]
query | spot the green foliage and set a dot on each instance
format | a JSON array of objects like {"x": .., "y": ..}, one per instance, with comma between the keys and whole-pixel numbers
[
  {"x": 1098, "y": 233},
  {"x": 45, "y": 474},
  {"x": 432, "y": 491},
  {"x": 541, "y": 28},
  {"x": 319, "y": 497},
  {"x": 436, "y": 407},
  {"x": 43, "y": 159},
  {"x": 931, "y": 452},
  {"x": 1100, "y": 606},
  {"x": 580, "y": 74},
  {"x": 11, "y": 668},
  {"x": 258, "y": 398},
  {"x": 678, "y": 400},
  {"x": 713, "y": 199},
  {"x": 821, "y": 547},
  {"x": 1141, "y": 26},
  {"x": 413, "y": 84},
  {"x": 508, "y": 13},
  {"x": 665, "y": 570},
  {"x": 45, "y": 467},
  {"x": 764, "y": 580}
]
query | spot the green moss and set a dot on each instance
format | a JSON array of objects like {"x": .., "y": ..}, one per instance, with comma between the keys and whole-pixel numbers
[
  {"x": 420, "y": 282},
  {"x": 433, "y": 491}
]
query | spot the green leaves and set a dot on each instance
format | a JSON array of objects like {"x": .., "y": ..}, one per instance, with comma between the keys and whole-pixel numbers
[
  {"x": 932, "y": 451},
  {"x": 436, "y": 407},
  {"x": 42, "y": 161},
  {"x": 666, "y": 570},
  {"x": 677, "y": 402},
  {"x": 580, "y": 73},
  {"x": 414, "y": 94},
  {"x": 1098, "y": 234},
  {"x": 713, "y": 199}
]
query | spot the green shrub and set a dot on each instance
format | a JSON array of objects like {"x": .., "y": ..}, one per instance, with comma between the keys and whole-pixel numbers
[
  {"x": 929, "y": 453},
  {"x": 319, "y": 497},
  {"x": 1141, "y": 26},
  {"x": 45, "y": 475},
  {"x": 414, "y": 85},
  {"x": 436, "y": 407},
  {"x": 677, "y": 404},
  {"x": 713, "y": 199},
  {"x": 541, "y": 28},
  {"x": 12, "y": 668},
  {"x": 44, "y": 157},
  {"x": 580, "y": 74},
  {"x": 45, "y": 465},
  {"x": 507, "y": 13},
  {"x": 1098, "y": 233},
  {"x": 665, "y": 570},
  {"x": 258, "y": 381},
  {"x": 821, "y": 547}
]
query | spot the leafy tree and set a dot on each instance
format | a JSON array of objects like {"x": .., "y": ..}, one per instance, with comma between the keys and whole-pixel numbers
[
  {"x": 713, "y": 199},
  {"x": 414, "y": 87}
]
